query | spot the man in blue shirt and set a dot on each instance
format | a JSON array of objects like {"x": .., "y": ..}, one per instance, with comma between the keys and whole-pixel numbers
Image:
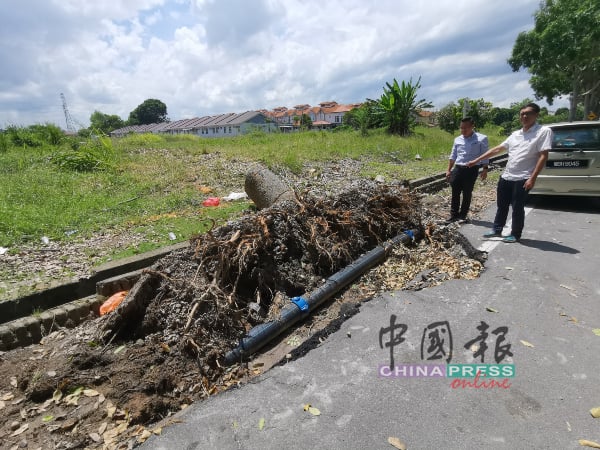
[{"x": 468, "y": 146}]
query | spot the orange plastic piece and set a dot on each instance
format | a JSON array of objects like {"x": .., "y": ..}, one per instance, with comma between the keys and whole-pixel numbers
[
  {"x": 211, "y": 201},
  {"x": 112, "y": 302}
]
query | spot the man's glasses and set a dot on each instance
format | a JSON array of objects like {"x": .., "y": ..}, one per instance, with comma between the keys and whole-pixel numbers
[{"x": 527, "y": 113}]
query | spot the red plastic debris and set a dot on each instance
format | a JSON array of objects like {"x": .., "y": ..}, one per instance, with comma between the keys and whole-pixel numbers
[
  {"x": 211, "y": 201},
  {"x": 112, "y": 302}
]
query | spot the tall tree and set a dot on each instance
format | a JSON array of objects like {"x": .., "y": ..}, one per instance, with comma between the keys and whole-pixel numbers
[
  {"x": 150, "y": 111},
  {"x": 562, "y": 53},
  {"x": 398, "y": 106}
]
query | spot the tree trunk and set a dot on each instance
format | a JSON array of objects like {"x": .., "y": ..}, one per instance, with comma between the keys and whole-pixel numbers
[
  {"x": 265, "y": 189},
  {"x": 573, "y": 101},
  {"x": 586, "y": 105}
]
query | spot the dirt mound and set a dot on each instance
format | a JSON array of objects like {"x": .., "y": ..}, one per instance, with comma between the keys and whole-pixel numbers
[{"x": 105, "y": 382}]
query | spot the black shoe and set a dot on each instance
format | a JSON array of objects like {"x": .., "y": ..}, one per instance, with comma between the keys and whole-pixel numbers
[
  {"x": 451, "y": 219},
  {"x": 464, "y": 220}
]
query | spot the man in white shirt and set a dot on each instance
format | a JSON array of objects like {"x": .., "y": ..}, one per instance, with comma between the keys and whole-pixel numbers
[{"x": 527, "y": 155}]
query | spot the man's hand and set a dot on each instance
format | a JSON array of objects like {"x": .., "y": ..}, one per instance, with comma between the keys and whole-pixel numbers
[
  {"x": 541, "y": 163},
  {"x": 483, "y": 175},
  {"x": 529, "y": 184}
]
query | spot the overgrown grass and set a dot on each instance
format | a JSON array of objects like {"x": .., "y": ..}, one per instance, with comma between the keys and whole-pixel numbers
[{"x": 150, "y": 184}]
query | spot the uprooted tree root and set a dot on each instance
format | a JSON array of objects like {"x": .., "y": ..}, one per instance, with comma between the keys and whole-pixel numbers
[{"x": 201, "y": 300}]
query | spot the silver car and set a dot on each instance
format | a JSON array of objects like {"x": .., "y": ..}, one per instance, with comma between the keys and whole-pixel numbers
[{"x": 573, "y": 166}]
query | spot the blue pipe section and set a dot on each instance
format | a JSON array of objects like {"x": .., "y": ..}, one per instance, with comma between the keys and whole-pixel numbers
[{"x": 301, "y": 307}]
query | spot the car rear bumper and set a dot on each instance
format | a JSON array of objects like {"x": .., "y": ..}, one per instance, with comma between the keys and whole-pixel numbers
[{"x": 585, "y": 186}]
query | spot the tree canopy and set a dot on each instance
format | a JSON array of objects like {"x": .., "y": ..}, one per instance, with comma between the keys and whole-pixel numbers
[
  {"x": 105, "y": 122},
  {"x": 562, "y": 53},
  {"x": 150, "y": 111},
  {"x": 450, "y": 115}
]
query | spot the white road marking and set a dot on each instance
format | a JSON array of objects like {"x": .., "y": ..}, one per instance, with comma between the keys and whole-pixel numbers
[{"x": 490, "y": 244}]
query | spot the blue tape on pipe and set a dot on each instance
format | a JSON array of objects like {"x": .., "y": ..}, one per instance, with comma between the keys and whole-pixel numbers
[
  {"x": 300, "y": 303},
  {"x": 410, "y": 234}
]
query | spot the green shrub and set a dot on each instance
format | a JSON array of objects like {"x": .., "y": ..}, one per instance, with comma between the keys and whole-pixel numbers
[
  {"x": 23, "y": 137},
  {"x": 48, "y": 133},
  {"x": 95, "y": 154}
]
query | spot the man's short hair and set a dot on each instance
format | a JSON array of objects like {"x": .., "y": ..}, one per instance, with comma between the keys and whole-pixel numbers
[
  {"x": 467, "y": 119},
  {"x": 533, "y": 106}
]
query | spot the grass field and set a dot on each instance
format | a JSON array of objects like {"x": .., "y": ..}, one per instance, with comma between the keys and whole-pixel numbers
[{"x": 152, "y": 184}]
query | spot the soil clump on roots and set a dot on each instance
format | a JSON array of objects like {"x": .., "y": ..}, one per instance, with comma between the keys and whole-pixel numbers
[{"x": 115, "y": 380}]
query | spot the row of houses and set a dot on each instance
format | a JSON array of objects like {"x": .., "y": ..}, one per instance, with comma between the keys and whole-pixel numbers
[
  {"x": 326, "y": 115},
  {"x": 208, "y": 126}
]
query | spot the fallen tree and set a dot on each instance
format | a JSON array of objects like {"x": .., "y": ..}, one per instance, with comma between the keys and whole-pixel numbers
[{"x": 201, "y": 300}]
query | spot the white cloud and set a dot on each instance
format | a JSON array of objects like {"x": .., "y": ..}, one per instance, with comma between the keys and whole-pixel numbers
[{"x": 209, "y": 57}]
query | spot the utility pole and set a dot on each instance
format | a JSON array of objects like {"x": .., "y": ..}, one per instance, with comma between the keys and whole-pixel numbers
[{"x": 466, "y": 107}]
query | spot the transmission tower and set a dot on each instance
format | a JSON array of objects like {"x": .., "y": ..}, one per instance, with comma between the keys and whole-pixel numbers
[{"x": 70, "y": 122}]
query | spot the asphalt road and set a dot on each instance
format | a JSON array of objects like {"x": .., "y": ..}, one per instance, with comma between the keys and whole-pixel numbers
[{"x": 542, "y": 296}]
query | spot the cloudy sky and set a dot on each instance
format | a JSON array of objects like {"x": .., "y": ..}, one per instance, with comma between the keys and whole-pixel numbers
[{"x": 205, "y": 57}]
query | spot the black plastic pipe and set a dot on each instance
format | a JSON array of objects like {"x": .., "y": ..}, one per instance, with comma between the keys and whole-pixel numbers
[{"x": 301, "y": 307}]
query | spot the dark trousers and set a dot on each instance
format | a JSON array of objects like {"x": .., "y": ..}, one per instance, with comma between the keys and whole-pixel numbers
[
  {"x": 511, "y": 193},
  {"x": 462, "y": 182}
]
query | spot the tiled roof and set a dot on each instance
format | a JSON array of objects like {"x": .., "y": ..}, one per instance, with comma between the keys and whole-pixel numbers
[
  {"x": 329, "y": 107},
  {"x": 191, "y": 124}
]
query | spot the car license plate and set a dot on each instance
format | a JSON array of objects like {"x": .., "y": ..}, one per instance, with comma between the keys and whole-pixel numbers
[{"x": 567, "y": 163}]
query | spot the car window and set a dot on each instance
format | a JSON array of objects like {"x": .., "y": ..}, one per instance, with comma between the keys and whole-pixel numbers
[{"x": 584, "y": 137}]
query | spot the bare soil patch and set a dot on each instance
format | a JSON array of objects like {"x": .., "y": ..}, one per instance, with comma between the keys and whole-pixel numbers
[{"x": 115, "y": 380}]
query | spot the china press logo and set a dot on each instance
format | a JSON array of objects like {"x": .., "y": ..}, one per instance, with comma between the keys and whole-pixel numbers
[{"x": 437, "y": 345}]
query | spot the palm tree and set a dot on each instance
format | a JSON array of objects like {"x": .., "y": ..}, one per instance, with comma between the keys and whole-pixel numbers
[{"x": 398, "y": 106}]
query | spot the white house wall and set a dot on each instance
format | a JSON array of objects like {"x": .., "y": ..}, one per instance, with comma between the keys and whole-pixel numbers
[
  {"x": 234, "y": 130},
  {"x": 335, "y": 118}
]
